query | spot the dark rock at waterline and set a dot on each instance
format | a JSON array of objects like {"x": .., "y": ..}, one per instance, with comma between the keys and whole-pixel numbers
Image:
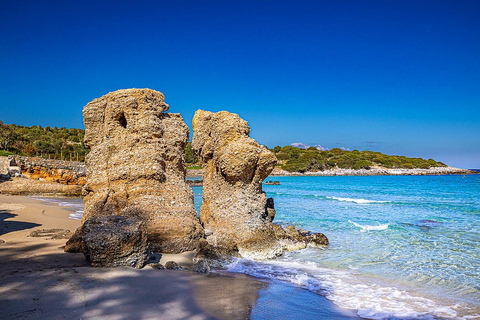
[
  {"x": 194, "y": 183},
  {"x": 307, "y": 237},
  {"x": 201, "y": 266},
  {"x": 273, "y": 183},
  {"x": 269, "y": 214},
  {"x": 115, "y": 241},
  {"x": 214, "y": 255}
]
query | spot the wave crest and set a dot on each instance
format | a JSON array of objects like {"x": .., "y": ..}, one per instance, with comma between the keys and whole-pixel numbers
[{"x": 358, "y": 201}]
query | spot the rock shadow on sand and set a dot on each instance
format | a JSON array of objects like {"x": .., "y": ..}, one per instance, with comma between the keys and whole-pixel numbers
[{"x": 11, "y": 226}]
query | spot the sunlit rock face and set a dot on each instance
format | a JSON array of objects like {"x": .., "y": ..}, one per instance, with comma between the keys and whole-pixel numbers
[
  {"x": 235, "y": 212},
  {"x": 137, "y": 163}
]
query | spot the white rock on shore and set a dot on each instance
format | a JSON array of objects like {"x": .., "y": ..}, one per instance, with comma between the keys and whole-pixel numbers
[{"x": 376, "y": 172}]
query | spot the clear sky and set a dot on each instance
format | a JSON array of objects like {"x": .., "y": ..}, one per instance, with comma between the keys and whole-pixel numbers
[{"x": 400, "y": 77}]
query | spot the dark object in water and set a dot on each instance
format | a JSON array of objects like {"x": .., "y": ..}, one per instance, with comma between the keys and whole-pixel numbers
[
  {"x": 194, "y": 183},
  {"x": 273, "y": 183}
]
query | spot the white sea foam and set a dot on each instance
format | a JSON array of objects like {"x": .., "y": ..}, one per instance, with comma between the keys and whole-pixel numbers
[
  {"x": 370, "y": 227},
  {"x": 358, "y": 201},
  {"x": 77, "y": 215},
  {"x": 347, "y": 290}
]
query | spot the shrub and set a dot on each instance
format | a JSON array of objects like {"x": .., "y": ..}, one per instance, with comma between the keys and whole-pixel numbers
[
  {"x": 190, "y": 156},
  {"x": 407, "y": 165},
  {"x": 361, "y": 164}
]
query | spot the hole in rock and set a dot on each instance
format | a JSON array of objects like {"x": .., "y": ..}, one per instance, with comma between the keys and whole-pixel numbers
[{"x": 122, "y": 120}]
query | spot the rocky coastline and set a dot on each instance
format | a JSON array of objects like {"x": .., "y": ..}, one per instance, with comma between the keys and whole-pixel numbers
[
  {"x": 377, "y": 171},
  {"x": 362, "y": 172}
]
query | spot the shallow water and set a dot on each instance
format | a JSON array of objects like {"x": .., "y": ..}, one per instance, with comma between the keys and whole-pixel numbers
[
  {"x": 73, "y": 204},
  {"x": 401, "y": 247}
]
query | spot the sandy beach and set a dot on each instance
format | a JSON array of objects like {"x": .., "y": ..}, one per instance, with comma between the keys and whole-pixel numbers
[{"x": 38, "y": 280}]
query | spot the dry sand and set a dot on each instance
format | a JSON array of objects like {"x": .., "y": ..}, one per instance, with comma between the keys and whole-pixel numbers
[{"x": 39, "y": 281}]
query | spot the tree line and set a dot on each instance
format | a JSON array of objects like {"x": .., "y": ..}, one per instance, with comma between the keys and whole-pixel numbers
[
  {"x": 47, "y": 142},
  {"x": 294, "y": 159},
  {"x": 67, "y": 144}
]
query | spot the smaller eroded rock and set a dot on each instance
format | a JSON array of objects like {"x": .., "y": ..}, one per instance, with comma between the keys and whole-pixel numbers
[
  {"x": 115, "y": 241},
  {"x": 156, "y": 266},
  {"x": 172, "y": 265},
  {"x": 201, "y": 266}
]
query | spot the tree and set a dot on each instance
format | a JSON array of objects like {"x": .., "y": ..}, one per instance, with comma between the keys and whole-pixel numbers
[
  {"x": 7, "y": 135},
  {"x": 190, "y": 156}
]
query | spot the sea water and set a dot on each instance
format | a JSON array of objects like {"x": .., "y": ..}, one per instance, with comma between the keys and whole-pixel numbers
[
  {"x": 75, "y": 205},
  {"x": 400, "y": 246}
]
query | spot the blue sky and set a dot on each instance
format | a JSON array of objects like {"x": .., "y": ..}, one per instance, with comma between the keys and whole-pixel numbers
[{"x": 400, "y": 77}]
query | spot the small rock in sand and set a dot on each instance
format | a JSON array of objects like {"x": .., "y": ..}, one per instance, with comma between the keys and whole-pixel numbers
[
  {"x": 172, "y": 265},
  {"x": 51, "y": 234}
]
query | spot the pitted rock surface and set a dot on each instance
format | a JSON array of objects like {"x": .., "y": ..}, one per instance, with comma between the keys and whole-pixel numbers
[
  {"x": 235, "y": 208},
  {"x": 115, "y": 241},
  {"x": 137, "y": 162}
]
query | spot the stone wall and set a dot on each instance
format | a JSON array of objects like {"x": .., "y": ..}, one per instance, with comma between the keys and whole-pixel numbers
[{"x": 64, "y": 172}]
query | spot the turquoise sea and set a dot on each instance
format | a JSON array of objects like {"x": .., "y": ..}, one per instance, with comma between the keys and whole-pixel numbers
[{"x": 401, "y": 247}]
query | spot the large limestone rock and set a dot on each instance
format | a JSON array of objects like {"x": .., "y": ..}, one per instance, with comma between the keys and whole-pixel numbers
[
  {"x": 115, "y": 241},
  {"x": 137, "y": 163},
  {"x": 235, "y": 212}
]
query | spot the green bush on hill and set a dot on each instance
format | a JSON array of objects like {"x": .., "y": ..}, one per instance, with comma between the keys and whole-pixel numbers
[
  {"x": 48, "y": 142},
  {"x": 299, "y": 160}
]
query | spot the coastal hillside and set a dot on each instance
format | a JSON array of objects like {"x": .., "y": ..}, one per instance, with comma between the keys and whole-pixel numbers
[
  {"x": 294, "y": 159},
  {"x": 67, "y": 144},
  {"x": 46, "y": 142}
]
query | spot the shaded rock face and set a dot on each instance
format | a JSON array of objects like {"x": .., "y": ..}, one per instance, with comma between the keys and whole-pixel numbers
[
  {"x": 137, "y": 162},
  {"x": 115, "y": 241},
  {"x": 234, "y": 167},
  {"x": 235, "y": 210}
]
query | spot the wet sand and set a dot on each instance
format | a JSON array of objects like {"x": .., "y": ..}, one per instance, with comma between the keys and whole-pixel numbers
[{"x": 38, "y": 280}]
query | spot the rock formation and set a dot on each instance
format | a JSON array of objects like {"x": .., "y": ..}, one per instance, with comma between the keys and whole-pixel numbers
[
  {"x": 115, "y": 241},
  {"x": 137, "y": 163},
  {"x": 235, "y": 212}
]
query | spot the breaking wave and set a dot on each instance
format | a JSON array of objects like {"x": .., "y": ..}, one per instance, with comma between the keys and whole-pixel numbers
[
  {"x": 358, "y": 201},
  {"x": 370, "y": 227},
  {"x": 347, "y": 290}
]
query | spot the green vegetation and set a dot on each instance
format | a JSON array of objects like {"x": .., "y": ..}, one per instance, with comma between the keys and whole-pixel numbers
[
  {"x": 67, "y": 144},
  {"x": 190, "y": 157},
  {"x": 299, "y": 160},
  {"x": 47, "y": 142}
]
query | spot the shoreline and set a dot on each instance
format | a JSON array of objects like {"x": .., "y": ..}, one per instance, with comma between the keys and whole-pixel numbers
[
  {"x": 378, "y": 172},
  {"x": 40, "y": 280},
  {"x": 362, "y": 172}
]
